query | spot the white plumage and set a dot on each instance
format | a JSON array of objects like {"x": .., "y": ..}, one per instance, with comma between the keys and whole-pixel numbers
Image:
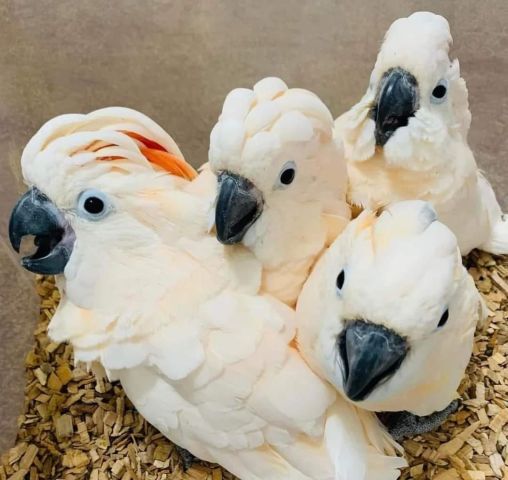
[
  {"x": 258, "y": 132},
  {"x": 401, "y": 270},
  {"x": 178, "y": 318},
  {"x": 429, "y": 159}
]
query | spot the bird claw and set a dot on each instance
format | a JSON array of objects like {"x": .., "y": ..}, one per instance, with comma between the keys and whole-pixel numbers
[
  {"x": 186, "y": 457},
  {"x": 401, "y": 425}
]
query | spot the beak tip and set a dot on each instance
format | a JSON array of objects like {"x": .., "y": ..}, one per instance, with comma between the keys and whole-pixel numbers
[
  {"x": 15, "y": 243},
  {"x": 354, "y": 389},
  {"x": 14, "y": 237},
  {"x": 227, "y": 238}
]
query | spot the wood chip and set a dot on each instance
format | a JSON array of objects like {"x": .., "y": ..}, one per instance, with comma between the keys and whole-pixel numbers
[
  {"x": 476, "y": 475},
  {"x": 19, "y": 475},
  {"x": 499, "y": 420},
  {"x": 118, "y": 468},
  {"x": 28, "y": 457},
  {"x": 41, "y": 376},
  {"x": 54, "y": 382},
  {"x": 455, "y": 444},
  {"x": 75, "y": 458},
  {"x": 64, "y": 427},
  {"x": 64, "y": 374},
  {"x": 497, "y": 463},
  {"x": 450, "y": 474}
]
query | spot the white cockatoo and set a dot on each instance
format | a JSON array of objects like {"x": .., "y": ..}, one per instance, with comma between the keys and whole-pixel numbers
[
  {"x": 282, "y": 180},
  {"x": 407, "y": 137},
  {"x": 173, "y": 314},
  {"x": 389, "y": 312}
]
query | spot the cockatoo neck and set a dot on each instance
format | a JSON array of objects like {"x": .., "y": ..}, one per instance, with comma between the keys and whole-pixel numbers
[
  {"x": 287, "y": 247},
  {"x": 110, "y": 296},
  {"x": 122, "y": 299}
]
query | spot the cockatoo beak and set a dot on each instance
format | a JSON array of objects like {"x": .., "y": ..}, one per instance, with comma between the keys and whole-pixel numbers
[
  {"x": 397, "y": 102},
  {"x": 370, "y": 354},
  {"x": 35, "y": 214},
  {"x": 239, "y": 204}
]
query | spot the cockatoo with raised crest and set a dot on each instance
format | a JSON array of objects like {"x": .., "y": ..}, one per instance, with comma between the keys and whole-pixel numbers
[
  {"x": 120, "y": 218},
  {"x": 388, "y": 315},
  {"x": 282, "y": 180},
  {"x": 407, "y": 137}
]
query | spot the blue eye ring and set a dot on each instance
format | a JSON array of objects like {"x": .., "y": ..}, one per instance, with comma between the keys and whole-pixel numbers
[{"x": 93, "y": 205}]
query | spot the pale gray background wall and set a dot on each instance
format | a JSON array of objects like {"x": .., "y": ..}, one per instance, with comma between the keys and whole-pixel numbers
[{"x": 176, "y": 60}]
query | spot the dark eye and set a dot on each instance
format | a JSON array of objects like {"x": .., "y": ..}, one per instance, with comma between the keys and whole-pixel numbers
[
  {"x": 340, "y": 280},
  {"x": 439, "y": 92},
  {"x": 287, "y": 174},
  {"x": 93, "y": 204},
  {"x": 444, "y": 318}
]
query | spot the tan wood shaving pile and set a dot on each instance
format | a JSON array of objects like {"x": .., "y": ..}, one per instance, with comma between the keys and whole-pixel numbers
[{"x": 77, "y": 425}]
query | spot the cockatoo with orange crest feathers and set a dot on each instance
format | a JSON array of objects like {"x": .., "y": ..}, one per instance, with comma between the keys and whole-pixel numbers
[
  {"x": 120, "y": 218},
  {"x": 407, "y": 137},
  {"x": 282, "y": 180}
]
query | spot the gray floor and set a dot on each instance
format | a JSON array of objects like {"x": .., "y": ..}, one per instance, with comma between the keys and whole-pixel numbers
[{"x": 175, "y": 60}]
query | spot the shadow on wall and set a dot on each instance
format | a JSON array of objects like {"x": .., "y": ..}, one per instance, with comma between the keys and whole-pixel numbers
[{"x": 175, "y": 60}]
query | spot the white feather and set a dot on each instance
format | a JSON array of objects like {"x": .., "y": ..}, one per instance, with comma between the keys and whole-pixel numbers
[
  {"x": 269, "y": 88},
  {"x": 429, "y": 159},
  {"x": 178, "y": 319},
  {"x": 284, "y": 127}
]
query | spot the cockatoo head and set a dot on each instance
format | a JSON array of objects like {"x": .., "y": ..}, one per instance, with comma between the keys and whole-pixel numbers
[
  {"x": 277, "y": 165},
  {"x": 416, "y": 100},
  {"x": 388, "y": 314},
  {"x": 97, "y": 184}
]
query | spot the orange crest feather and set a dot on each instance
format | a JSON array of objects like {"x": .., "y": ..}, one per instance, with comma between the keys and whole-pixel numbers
[{"x": 158, "y": 155}]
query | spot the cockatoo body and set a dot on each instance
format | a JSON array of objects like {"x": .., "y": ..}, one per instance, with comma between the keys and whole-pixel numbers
[
  {"x": 407, "y": 137},
  {"x": 388, "y": 314},
  {"x": 282, "y": 180},
  {"x": 173, "y": 314}
]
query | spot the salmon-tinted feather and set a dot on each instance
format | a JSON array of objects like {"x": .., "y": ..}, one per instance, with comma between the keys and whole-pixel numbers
[
  {"x": 146, "y": 141},
  {"x": 158, "y": 155}
]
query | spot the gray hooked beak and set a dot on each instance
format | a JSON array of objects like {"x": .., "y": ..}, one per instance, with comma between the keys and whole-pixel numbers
[
  {"x": 239, "y": 204},
  {"x": 370, "y": 354},
  {"x": 35, "y": 214},
  {"x": 397, "y": 102}
]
